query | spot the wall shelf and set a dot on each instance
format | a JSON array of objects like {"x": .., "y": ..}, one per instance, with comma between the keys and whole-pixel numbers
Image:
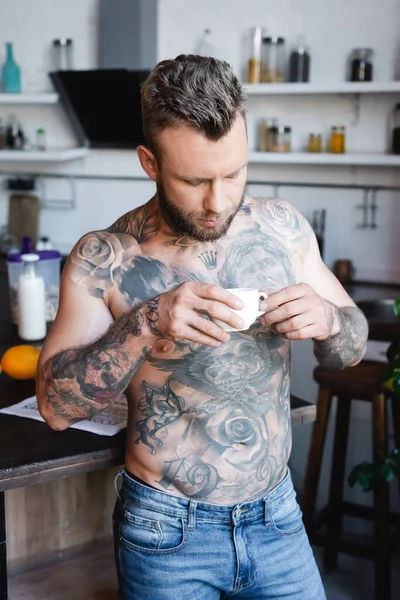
[
  {"x": 21, "y": 99},
  {"x": 346, "y": 87},
  {"x": 48, "y": 156},
  {"x": 309, "y": 158}
]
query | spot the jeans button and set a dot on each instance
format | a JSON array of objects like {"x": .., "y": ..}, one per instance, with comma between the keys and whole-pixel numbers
[{"x": 237, "y": 512}]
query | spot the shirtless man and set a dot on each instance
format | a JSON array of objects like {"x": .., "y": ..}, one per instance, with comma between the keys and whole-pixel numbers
[{"x": 207, "y": 508}]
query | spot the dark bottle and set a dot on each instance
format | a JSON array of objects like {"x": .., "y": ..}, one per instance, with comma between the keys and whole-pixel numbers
[
  {"x": 299, "y": 67},
  {"x": 15, "y": 139},
  {"x": 361, "y": 65},
  {"x": 396, "y": 130}
]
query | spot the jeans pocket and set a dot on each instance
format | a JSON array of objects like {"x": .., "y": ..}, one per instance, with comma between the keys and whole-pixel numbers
[
  {"x": 286, "y": 517},
  {"x": 152, "y": 533}
]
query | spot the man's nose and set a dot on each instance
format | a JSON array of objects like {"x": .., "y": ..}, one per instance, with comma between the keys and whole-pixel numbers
[{"x": 214, "y": 199}]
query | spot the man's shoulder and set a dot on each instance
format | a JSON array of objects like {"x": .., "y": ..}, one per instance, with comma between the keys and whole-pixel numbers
[
  {"x": 279, "y": 216},
  {"x": 141, "y": 223}
]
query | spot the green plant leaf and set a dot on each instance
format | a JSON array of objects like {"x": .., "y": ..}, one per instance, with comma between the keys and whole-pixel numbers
[
  {"x": 397, "y": 307},
  {"x": 387, "y": 471}
]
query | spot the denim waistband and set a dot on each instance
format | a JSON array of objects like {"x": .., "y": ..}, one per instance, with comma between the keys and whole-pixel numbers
[{"x": 162, "y": 502}]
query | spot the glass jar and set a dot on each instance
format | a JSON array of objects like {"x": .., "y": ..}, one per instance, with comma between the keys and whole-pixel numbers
[
  {"x": 273, "y": 55},
  {"x": 254, "y": 62},
  {"x": 264, "y": 137},
  {"x": 337, "y": 143},
  {"x": 361, "y": 64},
  {"x": 62, "y": 50},
  {"x": 280, "y": 138},
  {"x": 314, "y": 142}
]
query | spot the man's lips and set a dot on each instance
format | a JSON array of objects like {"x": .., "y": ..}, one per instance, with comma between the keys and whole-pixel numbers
[{"x": 212, "y": 223}]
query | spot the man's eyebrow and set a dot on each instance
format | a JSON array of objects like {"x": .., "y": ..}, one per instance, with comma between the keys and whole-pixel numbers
[{"x": 205, "y": 179}]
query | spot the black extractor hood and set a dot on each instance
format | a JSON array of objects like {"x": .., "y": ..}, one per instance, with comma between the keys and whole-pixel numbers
[{"x": 103, "y": 105}]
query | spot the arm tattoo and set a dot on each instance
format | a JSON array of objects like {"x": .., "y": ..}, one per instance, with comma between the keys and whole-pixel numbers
[
  {"x": 347, "y": 347},
  {"x": 152, "y": 315},
  {"x": 80, "y": 382}
]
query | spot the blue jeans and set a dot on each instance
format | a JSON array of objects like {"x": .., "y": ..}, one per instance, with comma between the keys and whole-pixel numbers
[{"x": 171, "y": 548}]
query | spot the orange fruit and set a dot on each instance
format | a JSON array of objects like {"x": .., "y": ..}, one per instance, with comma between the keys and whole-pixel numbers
[{"x": 20, "y": 362}]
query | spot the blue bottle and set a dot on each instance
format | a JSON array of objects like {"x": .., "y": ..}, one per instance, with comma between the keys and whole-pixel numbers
[{"x": 11, "y": 73}]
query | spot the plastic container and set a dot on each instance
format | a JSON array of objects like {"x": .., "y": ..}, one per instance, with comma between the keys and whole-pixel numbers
[{"x": 48, "y": 267}]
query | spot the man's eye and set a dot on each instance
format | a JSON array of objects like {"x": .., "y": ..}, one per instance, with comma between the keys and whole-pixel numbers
[
  {"x": 194, "y": 183},
  {"x": 233, "y": 176}
]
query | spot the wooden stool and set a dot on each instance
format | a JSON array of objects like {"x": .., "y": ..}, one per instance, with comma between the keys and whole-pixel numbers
[{"x": 363, "y": 382}]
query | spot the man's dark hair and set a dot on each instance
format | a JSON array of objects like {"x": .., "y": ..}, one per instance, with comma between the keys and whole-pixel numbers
[{"x": 200, "y": 92}]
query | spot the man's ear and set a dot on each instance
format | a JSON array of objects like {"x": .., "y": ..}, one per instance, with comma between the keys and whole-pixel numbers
[{"x": 148, "y": 162}]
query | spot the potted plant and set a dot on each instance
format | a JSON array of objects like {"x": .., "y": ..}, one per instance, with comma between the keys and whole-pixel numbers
[{"x": 367, "y": 474}]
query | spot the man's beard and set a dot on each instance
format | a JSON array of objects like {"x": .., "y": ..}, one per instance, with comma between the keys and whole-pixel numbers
[{"x": 184, "y": 223}]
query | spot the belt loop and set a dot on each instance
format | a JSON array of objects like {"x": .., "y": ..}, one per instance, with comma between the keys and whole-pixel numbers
[
  {"x": 265, "y": 511},
  {"x": 192, "y": 515},
  {"x": 118, "y": 475}
]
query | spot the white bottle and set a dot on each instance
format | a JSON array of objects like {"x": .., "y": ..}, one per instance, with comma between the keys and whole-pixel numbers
[{"x": 31, "y": 301}]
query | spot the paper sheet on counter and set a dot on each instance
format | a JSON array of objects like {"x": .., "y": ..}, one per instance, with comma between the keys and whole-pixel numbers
[{"x": 108, "y": 422}]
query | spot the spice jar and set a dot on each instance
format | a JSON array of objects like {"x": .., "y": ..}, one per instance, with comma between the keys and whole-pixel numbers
[
  {"x": 338, "y": 140},
  {"x": 280, "y": 138},
  {"x": 314, "y": 142},
  {"x": 361, "y": 64},
  {"x": 254, "y": 62},
  {"x": 273, "y": 49}
]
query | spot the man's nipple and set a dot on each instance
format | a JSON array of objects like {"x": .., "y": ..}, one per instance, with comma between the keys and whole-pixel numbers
[{"x": 163, "y": 347}]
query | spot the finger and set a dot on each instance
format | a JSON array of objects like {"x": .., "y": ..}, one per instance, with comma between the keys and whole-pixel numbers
[
  {"x": 217, "y": 310},
  {"x": 198, "y": 337},
  {"x": 216, "y": 292},
  {"x": 306, "y": 333},
  {"x": 207, "y": 327},
  {"x": 286, "y": 311},
  {"x": 286, "y": 294},
  {"x": 294, "y": 323}
]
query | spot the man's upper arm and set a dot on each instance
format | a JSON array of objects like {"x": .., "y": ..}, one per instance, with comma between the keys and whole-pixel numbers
[
  {"x": 317, "y": 274},
  {"x": 81, "y": 317}
]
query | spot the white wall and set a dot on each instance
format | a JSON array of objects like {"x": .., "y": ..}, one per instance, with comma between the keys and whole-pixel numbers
[{"x": 332, "y": 28}]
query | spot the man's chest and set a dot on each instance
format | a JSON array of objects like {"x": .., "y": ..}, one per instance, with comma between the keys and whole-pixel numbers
[{"x": 250, "y": 259}]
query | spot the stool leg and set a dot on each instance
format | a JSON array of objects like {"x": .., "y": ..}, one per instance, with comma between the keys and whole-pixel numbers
[
  {"x": 396, "y": 426},
  {"x": 315, "y": 455},
  {"x": 334, "y": 521},
  {"x": 381, "y": 504}
]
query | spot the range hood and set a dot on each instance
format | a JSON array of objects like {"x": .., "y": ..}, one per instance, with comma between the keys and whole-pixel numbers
[{"x": 103, "y": 105}]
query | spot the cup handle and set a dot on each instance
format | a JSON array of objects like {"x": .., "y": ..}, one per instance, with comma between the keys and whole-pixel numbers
[{"x": 261, "y": 297}]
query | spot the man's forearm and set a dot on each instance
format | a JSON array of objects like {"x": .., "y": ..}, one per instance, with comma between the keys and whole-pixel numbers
[
  {"x": 78, "y": 383},
  {"x": 347, "y": 347}
]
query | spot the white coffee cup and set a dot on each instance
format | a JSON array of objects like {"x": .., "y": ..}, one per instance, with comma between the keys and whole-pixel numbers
[{"x": 251, "y": 299}]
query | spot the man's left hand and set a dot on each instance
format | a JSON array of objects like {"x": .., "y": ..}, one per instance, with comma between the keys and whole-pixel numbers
[{"x": 297, "y": 312}]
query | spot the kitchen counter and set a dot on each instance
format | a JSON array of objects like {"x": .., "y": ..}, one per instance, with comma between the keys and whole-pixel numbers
[{"x": 379, "y": 329}]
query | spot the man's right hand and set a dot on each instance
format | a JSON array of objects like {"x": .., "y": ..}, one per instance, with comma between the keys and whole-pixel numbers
[{"x": 179, "y": 314}]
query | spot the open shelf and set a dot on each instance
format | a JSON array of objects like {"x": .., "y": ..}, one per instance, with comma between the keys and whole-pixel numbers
[
  {"x": 325, "y": 158},
  {"x": 36, "y": 156},
  {"x": 345, "y": 87},
  {"x": 28, "y": 99}
]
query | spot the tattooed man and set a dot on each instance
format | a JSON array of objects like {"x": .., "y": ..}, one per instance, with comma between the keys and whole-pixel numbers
[{"x": 206, "y": 508}]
